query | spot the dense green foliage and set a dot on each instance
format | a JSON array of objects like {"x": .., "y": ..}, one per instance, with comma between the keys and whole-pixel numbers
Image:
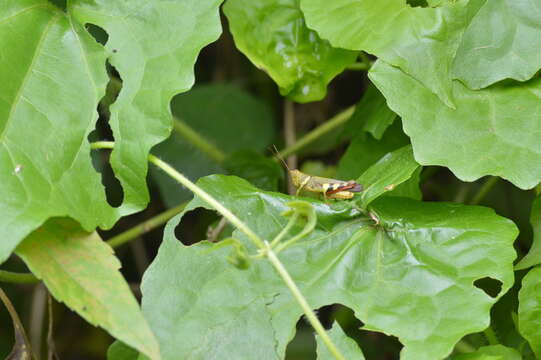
[{"x": 415, "y": 101}]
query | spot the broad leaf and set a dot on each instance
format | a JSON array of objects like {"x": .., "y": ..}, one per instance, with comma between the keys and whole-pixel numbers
[
  {"x": 384, "y": 176},
  {"x": 153, "y": 45},
  {"x": 224, "y": 115},
  {"x": 533, "y": 257},
  {"x": 529, "y": 309},
  {"x": 411, "y": 276},
  {"x": 421, "y": 41},
  {"x": 371, "y": 114},
  {"x": 493, "y": 352},
  {"x": 491, "y": 132},
  {"x": 81, "y": 270},
  {"x": 273, "y": 35},
  {"x": 502, "y": 41},
  {"x": 261, "y": 171},
  {"x": 347, "y": 346},
  {"x": 364, "y": 151},
  {"x": 53, "y": 77}
]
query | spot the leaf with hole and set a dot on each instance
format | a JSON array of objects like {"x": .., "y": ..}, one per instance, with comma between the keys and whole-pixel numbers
[
  {"x": 411, "y": 276},
  {"x": 47, "y": 109},
  {"x": 273, "y": 35},
  {"x": 153, "y": 45},
  {"x": 81, "y": 271}
]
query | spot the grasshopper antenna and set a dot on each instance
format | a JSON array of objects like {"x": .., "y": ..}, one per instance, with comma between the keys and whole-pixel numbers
[{"x": 274, "y": 150}]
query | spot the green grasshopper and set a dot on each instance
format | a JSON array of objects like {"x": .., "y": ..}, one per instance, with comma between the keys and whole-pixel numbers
[{"x": 330, "y": 188}]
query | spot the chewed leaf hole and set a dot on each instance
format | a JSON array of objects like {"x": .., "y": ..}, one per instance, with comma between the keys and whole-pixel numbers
[
  {"x": 194, "y": 226},
  {"x": 490, "y": 286},
  {"x": 99, "y": 34},
  {"x": 417, "y": 3},
  {"x": 303, "y": 345},
  {"x": 375, "y": 345}
]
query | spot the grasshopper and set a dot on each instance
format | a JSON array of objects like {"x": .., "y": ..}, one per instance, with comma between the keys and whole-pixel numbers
[{"x": 330, "y": 188}]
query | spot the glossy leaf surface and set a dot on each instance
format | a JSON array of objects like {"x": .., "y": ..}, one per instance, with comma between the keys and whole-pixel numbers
[
  {"x": 274, "y": 36},
  {"x": 80, "y": 270},
  {"x": 490, "y": 132},
  {"x": 53, "y": 77},
  {"x": 412, "y": 276}
]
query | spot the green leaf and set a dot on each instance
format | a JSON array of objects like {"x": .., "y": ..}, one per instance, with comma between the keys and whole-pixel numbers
[
  {"x": 390, "y": 171},
  {"x": 502, "y": 41},
  {"x": 347, "y": 346},
  {"x": 364, "y": 151},
  {"x": 263, "y": 172},
  {"x": 421, "y": 41},
  {"x": 533, "y": 257},
  {"x": 273, "y": 35},
  {"x": 371, "y": 114},
  {"x": 491, "y": 132},
  {"x": 493, "y": 352},
  {"x": 225, "y": 115},
  {"x": 81, "y": 270},
  {"x": 153, "y": 45},
  {"x": 529, "y": 309},
  {"x": 411, "y": 276},
  {"x": 53, "y": 77},
  {"x": 120, "y": 351}
]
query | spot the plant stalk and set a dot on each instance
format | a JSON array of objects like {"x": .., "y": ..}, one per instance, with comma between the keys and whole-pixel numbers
[
  {"x": 198, "y": 141},
  {"x": 321, "y": 130},
  {"x": 310, "y": 315},
  {"x": 484, "y": 190}
]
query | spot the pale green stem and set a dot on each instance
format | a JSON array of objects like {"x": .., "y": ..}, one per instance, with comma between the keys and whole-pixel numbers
[
  {"x": 484, "y": 190},
  {"x": 321, "y": 130},
  {"x": 285, "y": 230},
  {"x": 264, "y": 246},
  {"x": 145, "y": 226},
  {"x": 310, "y": 315},
  {"x": 17, "y": 278},
  {"x": 198, "y": 141},
  {"x": 464, "y": 347}
]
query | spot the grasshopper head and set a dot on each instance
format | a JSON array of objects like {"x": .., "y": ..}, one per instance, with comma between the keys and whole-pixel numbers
[{"x": 297, "y": 177}]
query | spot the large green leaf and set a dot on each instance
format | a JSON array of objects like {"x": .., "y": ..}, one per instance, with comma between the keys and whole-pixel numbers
[
  {"x": 533, "y": 257},
  {"x": 529, "y": 309},
  {"x": 347, "y": 346},
  {"x": 490, "y": 132},
  {"x": 421, "y": 41},
  {"x": 502, "y": 41},
  {"x": 493, "y": 352},
  {"x": 153, "y": 45},
  {"x": 53, "y": 75},
  {"x": 273, "y": 35},
  {"x": 120, "y": 351},
  {"x": 410, "y": 276},
  {"x": 224, "y": 115},
  {"x": 81, "y": 270}
]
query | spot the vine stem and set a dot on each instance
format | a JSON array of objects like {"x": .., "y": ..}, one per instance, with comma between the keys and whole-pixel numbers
[
  {"x": 145, "y": 226},
  {"x": 310, "y": 315},
  {"x": 198, "y": 141},
  {"x": 17, "y": 324},
  {"x": 484, "y": 190},
  {"x": 321, "y": 130},
  {"x": 263, "y": 245}
]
